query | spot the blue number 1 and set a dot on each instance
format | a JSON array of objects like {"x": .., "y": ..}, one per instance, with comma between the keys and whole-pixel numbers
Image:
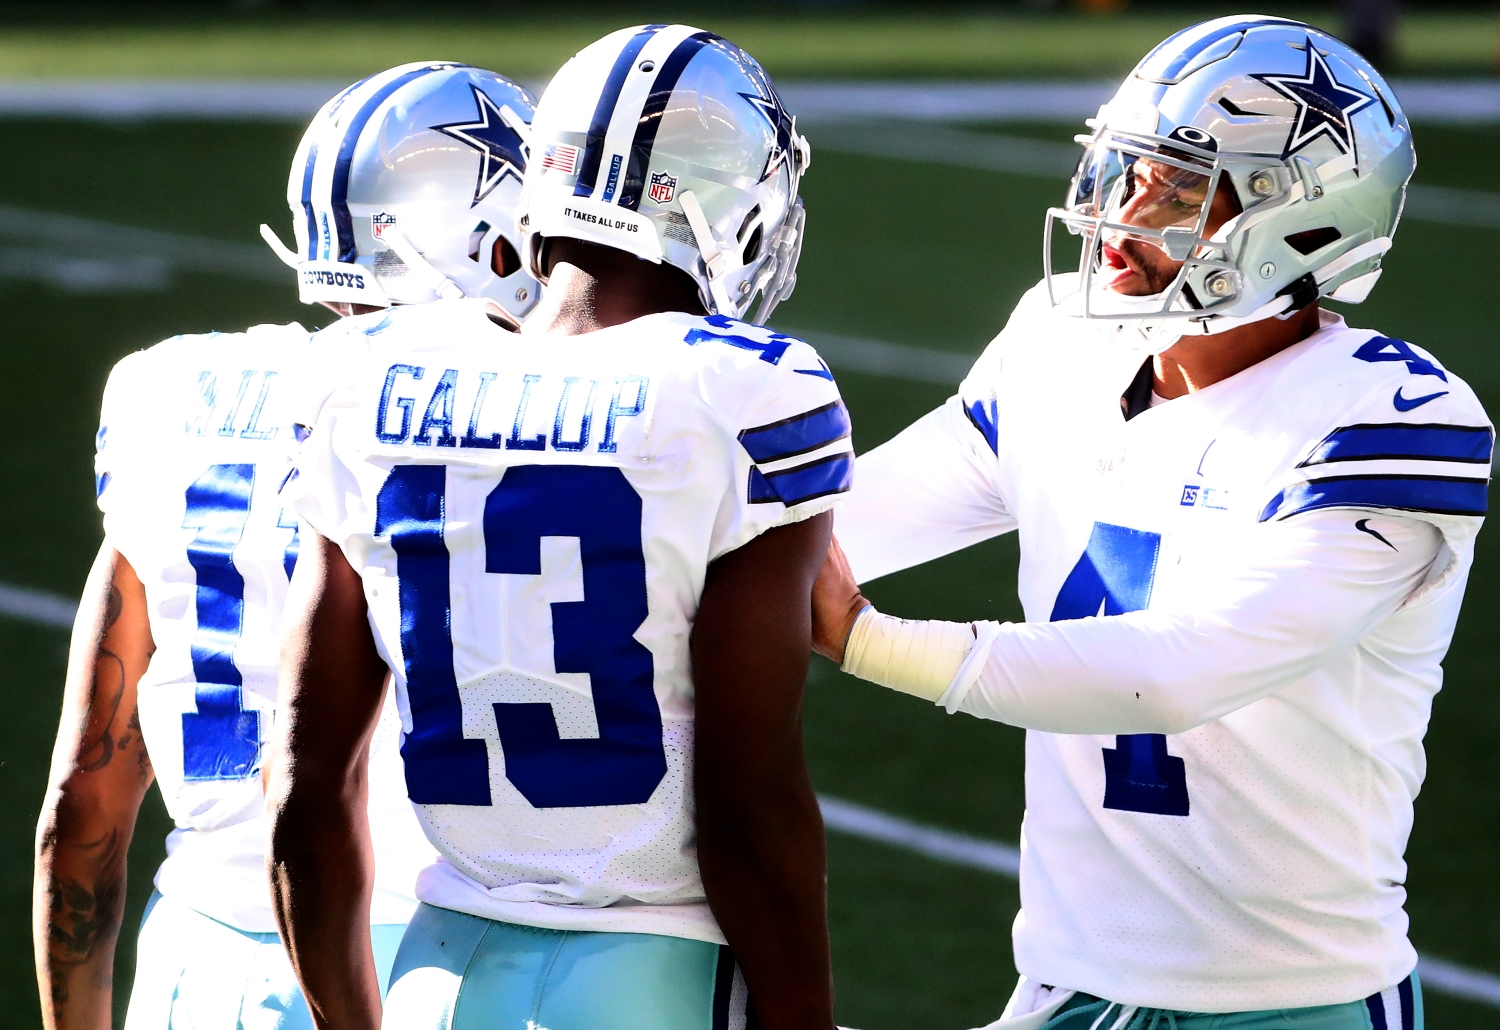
[
  {"x": 1114, "y": 575},
  {"x": 597, "y": 506},
  {"x": 222, "y": 740}
]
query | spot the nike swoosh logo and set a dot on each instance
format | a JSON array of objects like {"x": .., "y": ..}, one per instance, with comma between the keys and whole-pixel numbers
[
  {"x": 1405, "y": 404},
  {"x": 1363, "y": 525},
  {"x": 821, "y": 372}
]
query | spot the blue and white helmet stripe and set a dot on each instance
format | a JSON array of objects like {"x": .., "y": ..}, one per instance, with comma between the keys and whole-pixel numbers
[
  {"x": 405, "y": 189},
  {"x": 332, "y": 151},
  {"x": 604, "y": 111},
  {"x": 622, "y": 163},
  {"x": 1297, "y": 128},
  {"x": 338, "y": 188}
]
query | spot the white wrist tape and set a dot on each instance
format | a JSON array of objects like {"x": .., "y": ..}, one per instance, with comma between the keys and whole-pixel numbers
[{"x": 915, "y": 657}]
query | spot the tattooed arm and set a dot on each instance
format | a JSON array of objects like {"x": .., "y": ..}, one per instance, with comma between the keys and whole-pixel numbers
[{"x": 100, "y": 773}]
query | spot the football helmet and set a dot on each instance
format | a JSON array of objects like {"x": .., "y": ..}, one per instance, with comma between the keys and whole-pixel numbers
[
  {"x": 671, "y": 144},
  {"x": 1303, "y": 130},
  {"x": 404, "y": 190}
]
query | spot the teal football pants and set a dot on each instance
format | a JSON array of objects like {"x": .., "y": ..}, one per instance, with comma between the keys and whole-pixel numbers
[
  {"x": 1397, "y": 1008},
  {"x": 460, "y": 972},
  {"x": 195, "y": 973}
]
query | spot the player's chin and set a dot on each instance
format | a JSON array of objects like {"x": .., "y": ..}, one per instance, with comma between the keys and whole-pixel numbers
[{"x": 1127, "y": 282}]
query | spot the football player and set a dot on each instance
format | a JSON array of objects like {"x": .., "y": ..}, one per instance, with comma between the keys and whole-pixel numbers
[
  {"x": 403, "y": 189},
  {"x": 585, "y": 552},
  {"x": 1245, "y": 528}
]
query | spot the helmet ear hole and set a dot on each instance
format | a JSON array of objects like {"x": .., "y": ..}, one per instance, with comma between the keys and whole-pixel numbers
[
  {"x": 752, "y": 247},
  {"x": 1309, "y": 240},
  {"x": 745, "y": 225},
  {"x": 504, "y": 260}
]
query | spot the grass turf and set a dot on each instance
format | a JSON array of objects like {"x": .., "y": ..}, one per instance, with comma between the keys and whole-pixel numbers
[
  {"x": 897, "y": 251},
  {"x": 958, "y": 42}
]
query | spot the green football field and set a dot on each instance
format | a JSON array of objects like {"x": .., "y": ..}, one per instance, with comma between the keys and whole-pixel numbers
[{"x": 900, "y": 251}]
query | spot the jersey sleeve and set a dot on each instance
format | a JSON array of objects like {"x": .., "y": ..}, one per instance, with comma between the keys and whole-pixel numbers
[
  {"x": 792, "y": 451},
  {"x": 1430, "y": 462},
  {"x": 1303, "y": 589},
  {"x": 321, "y": 482},
  {"x": 931, "y": 490},
  {"x": 111, "y": 441}
]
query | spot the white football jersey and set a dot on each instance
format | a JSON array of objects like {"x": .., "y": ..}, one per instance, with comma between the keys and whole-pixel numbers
[
  {"x": 533, "y": 517},
  {"x": 194, "y": 443},
  {"x": 1238, "y": 602}
]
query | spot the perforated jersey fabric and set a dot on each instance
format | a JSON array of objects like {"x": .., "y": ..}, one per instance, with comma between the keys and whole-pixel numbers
[
  {"x": 1237, "y": 605},
  {"x": 533, "y": 518},
  {"x": 194, "y": 442}
]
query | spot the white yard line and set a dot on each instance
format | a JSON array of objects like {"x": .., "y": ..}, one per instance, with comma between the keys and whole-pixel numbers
[
  {"x": 1451, "y": 101},
  {"x": 893, "y": 360},
  {"x": 943, "y": 845},
  {"x": 990, "y": 152},
  {"x": 38, "y": 606},
  {"x": 52, "y": 610}
]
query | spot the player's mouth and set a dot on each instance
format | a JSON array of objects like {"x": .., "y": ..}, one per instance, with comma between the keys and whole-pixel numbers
[{"x": 1114, "y": 266}]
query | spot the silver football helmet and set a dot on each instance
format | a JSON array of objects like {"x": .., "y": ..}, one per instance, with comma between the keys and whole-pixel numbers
[
  {"x": 404, "y": 190},
  {"x": 1304, "y": 132},
  {"x": 671, "y": 144}
]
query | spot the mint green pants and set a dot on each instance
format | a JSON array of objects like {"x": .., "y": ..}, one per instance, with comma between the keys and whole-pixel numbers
[
  {"x": 1396, "y": 1008},
  {"x": 195, "y": 973},
  {"x": 460, "y": 972}
]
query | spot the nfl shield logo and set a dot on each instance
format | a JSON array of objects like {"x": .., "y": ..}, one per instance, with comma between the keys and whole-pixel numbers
[
  {"x": 380, "y": 222},
  {"x": 663, "y": 187}
]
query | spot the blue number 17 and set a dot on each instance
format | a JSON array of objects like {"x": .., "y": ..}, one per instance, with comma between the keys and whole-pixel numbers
[{"x": 222, "y": 740}]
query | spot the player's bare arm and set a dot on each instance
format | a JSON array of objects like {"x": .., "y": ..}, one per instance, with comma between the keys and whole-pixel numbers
[
  {"x": 760, "y": 835},
  {"x": 320, "y": 862},
  {"x": 100, "y": 773}
]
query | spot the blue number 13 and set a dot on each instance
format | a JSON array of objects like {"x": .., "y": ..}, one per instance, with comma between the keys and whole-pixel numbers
[
  {"x": 1114, "y": 575},
  {"x": 599, "y": 507}
]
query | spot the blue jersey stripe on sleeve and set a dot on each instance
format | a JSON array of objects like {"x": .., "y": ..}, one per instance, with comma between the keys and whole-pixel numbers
[
  {"x": 1440, "y": 495},
  {"x": 798, "y": 434},
  {"x": 1398, "y": 440},
  {"x": 985, "y": 417},
  {"x": 831, "y": 475}
]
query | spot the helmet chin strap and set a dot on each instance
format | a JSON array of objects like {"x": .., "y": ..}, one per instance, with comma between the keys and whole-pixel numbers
[
  {"x": 287, "y": 255},
  {"x": 715, "y": 260},
  {"x": 440, "y": 284}
]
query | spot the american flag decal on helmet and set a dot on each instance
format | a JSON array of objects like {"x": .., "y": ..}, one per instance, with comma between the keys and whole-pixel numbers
[{"x": 561, "y": 157}]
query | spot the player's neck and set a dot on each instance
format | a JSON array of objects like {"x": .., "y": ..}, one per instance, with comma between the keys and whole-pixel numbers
[
  {"x": 591, "y": 287},
  {"x": 1196, "y": 362}
]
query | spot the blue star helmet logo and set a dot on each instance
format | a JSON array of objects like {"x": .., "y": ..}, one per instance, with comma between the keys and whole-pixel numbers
[
  {"x": 1324, "y": 105},
  {"x": 499, "y": 147},
  {"x": 781, "y": 124}
]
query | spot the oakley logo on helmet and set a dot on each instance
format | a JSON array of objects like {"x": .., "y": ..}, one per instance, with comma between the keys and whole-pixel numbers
[
  {"x": 1323, "y": 104},
  {"x": 1194, "y": 136},
  {"x": 499, "y": 147},
  {"x": 1251, "y": 110}
]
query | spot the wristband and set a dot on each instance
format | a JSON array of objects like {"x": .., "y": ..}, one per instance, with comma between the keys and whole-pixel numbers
[{"x": 918, "y": 657}]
